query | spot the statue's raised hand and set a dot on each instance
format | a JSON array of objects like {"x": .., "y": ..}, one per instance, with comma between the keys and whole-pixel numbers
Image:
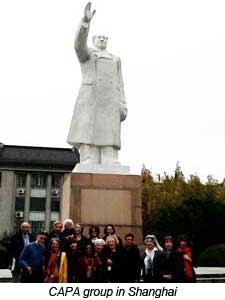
[{"x": 88, "y": 15}]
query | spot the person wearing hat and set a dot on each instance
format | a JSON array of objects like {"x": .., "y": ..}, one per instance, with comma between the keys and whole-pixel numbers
[{"x": 150, "y": 271}]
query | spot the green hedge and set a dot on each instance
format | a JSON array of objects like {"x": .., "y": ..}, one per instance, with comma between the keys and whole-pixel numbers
[{"x": 213, "y": 256}]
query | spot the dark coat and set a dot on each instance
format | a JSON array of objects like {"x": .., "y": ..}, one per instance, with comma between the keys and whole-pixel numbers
[
  {"x": 73, "y": 259},
  {"x": 171, "y": 263},
  {"x": 115, "y": 272},
  {"x": 67, "y": 232},
  {"x": 84, "y": 263},
  {"x": 17, "y": 246},
  {"x": 154, "y": 275},
  {"x": 81, "y": 244},
  {"x": 131, "y": 264},
  {"x": 100, "y": 269}
]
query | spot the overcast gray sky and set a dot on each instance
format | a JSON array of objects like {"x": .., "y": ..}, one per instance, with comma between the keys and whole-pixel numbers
[{"x": 173, "y": 63}]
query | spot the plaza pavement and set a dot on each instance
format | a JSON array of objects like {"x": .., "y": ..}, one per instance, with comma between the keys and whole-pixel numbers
[{"x": 204, "y": 274}]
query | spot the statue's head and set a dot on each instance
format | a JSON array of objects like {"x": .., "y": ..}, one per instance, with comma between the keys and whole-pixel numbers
[{"x": 100, "y": 41}]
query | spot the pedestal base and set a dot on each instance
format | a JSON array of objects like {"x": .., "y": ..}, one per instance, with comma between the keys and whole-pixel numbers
[
  {"x": 103, "y": 199},
  {"x": 102, "y": 169}
]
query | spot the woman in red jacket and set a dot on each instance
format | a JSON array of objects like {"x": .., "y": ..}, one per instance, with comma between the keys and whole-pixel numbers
[{"x": 185, "y": 250}]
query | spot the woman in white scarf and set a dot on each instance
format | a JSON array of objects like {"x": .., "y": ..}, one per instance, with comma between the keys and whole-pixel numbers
[{"x": 150, "y": 259}]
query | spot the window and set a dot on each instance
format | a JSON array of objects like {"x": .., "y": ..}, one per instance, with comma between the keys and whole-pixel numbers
[
  {"x": 38, "y": 180},
  {"x": 37, "y": 204},
  {"x": 55, "y": 204},
  {"x": 51, "y": 224},
  {"x": 37, "y": 226},
  {"x": 20, "y": 180},
  {"x": 56, "y": 181},
  {"x": 17, "y": 224},
  {"x": 20, "y": 204}
]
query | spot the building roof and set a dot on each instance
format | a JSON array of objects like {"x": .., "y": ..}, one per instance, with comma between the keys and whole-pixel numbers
[{"x": 38, "y": 158}]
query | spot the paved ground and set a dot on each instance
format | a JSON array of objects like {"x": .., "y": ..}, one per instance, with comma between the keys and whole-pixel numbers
[{"x": 203, "y": 273}]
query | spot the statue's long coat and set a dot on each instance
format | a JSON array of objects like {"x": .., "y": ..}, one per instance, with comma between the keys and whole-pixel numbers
[{"x": 99, "y": 107}]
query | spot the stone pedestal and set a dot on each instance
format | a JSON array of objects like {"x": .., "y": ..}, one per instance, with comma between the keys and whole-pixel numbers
[
  {"x": 101, "y": 199},
  {"x": 102, "y": 169}
]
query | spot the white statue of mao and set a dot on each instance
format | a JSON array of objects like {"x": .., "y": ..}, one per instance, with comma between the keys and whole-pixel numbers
[{"x": 100, "y": 107}]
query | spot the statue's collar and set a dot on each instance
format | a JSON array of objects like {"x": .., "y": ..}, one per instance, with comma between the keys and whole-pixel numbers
[{"x": 102, "y": 54}]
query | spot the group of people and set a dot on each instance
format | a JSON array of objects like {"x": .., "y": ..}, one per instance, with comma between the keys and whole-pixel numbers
[{"x": 66, "y": 255}]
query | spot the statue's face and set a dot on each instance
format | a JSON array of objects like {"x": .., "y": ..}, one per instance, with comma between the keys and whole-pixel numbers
[{"x": 100, "y": 42}]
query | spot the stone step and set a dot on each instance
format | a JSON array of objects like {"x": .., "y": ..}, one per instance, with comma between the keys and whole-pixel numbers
[
  {"x": 210, "y": 275},
  {"x": 5, "y": 275},
  {"x": 210, "y": 279}
]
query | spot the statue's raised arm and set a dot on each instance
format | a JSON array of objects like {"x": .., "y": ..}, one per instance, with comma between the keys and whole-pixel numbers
[{"x": 80, "y": 44}]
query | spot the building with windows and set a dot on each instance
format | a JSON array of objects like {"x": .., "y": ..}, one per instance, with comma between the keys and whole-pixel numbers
[{"x": 31, "y": 185}]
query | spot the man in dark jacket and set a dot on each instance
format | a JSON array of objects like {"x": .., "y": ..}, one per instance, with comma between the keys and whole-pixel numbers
[
  {"x": 57, "y": 234},
  {"x": 131, "y": 260},
  {"x": 17, "y": 243}
]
